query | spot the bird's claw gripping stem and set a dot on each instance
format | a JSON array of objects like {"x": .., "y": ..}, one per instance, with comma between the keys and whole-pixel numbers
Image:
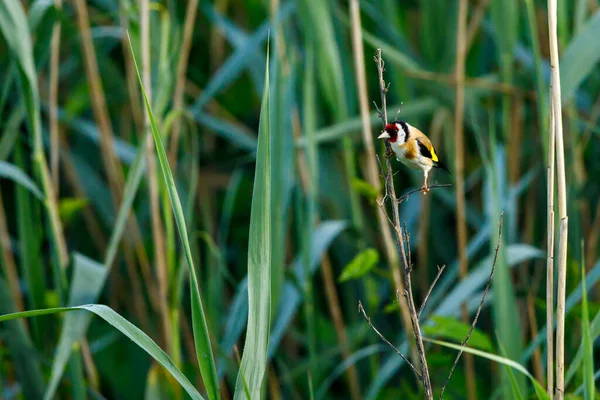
[{"x": 389, "y": 153}]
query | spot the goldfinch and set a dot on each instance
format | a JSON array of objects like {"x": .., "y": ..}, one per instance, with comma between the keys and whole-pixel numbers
[{"x": 412, "y": 148}]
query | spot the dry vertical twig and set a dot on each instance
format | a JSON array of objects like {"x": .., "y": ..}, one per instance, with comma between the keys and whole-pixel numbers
[
  {"x": 562, "y": 203},
  {"x": 391, "y": 194},
  {"x": 372, "y": 174},
  {"x": 485, "y": 292}
]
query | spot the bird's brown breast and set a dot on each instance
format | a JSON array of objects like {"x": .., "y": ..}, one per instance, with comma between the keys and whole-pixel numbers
[{"x": 411, "y": 149}]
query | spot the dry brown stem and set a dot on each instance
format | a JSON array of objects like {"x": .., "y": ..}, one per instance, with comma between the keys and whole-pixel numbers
[
  {"x": 400, "y": 241},
  {"x": 371, "y": 171},
  {"x": 403, "y": 243}
]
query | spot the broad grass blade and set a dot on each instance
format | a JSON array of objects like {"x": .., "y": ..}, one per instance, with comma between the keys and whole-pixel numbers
[
  {"x": 126, "y": 328},
  {"x": 254, "y": 358},
  {"x": 204, "y": 352}
]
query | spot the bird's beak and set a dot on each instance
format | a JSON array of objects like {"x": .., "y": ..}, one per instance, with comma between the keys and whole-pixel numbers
[{"x": 384, "y": 135}]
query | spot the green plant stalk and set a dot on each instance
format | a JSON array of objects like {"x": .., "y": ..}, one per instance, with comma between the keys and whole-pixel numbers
[
  {"x": 309, "y": 124},
  {"x": 204, "y": 351},
  {"x": 13, "y": 24},
  {"x": 32, "y": 265}
]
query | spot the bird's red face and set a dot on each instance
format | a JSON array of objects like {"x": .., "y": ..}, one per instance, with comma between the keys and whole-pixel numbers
[
  {"x": 396, "y": 131},
  {"x": 390, "y": 133}
]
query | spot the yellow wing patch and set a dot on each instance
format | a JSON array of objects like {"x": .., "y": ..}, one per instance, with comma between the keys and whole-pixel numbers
[{"x": 434, "y": 156}]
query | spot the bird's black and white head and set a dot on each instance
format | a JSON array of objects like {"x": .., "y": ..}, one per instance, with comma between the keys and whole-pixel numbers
[{"x": 397, "y": 131}]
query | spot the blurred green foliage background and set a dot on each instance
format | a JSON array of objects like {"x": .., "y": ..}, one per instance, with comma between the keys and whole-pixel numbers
[{"x": 85, "y": 214}]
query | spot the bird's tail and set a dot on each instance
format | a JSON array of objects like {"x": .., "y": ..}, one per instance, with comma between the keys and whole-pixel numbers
[{"x": 443, "y": 166}]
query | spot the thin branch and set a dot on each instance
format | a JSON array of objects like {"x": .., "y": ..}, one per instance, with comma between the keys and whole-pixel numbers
[
  {"x": 405, "y": 196},
  {"x": 485, "y": 292},
  {"x": 401, "y": 199},
  {"x": 362, "y": 310},
  {"x": 391, "y": 193},
  {"x": 437, "y": 277}
]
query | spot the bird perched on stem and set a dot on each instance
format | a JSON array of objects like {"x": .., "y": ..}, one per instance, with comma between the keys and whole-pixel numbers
[{"x": 412, "y": 148}]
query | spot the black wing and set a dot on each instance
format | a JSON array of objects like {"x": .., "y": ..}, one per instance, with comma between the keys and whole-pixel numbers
[
  {"x": 424, "y": 150},
  {"x": 426, "y": 153}
]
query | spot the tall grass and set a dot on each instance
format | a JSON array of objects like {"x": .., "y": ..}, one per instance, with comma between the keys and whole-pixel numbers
[{"x": 270, "y": 177}]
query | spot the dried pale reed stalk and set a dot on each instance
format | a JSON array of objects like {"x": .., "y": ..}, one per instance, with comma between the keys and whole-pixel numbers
[{"x": 562, "y": 203}]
